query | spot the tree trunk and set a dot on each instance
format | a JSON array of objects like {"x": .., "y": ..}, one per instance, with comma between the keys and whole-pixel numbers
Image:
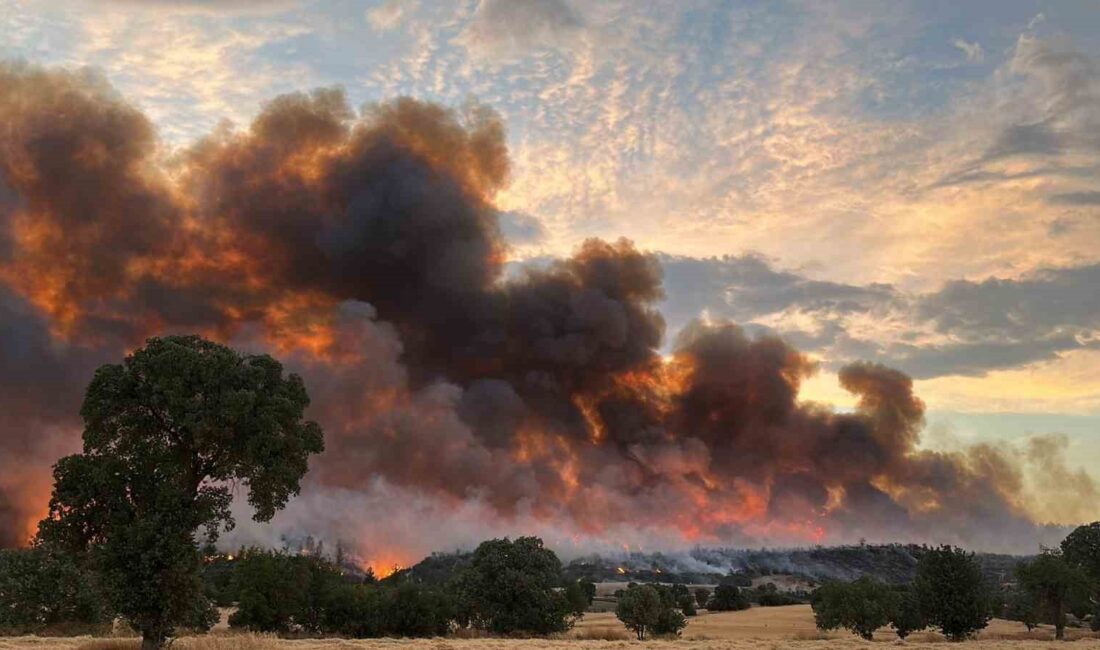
[{"x": 1059, "y": 620}]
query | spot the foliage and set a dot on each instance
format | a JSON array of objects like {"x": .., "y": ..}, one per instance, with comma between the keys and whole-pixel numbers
[
  {"x": 41, "y": 588},
  {"x": 1054, "y": 585},
  {"x": 589, "y": 589},
  {"x": 727, "y": 597},
  {"x": 513, "y": 587},
  {"x": 670, "y": 622},
  {"x": 165, "y": 434},
  {"x": 702, "y": 595},
  {"x": 643, "y": 611},
  {"x": 577, "y": 597},
  {"x": 1019, "y": 605},
  {"x": 217, "y": 577},
  {"x": 952, "y": 593},
  {"x": 681, "y": 598},
  {"x": 1081, "y": 548},
  {"x": 861, "y": 606},
  {"x": 285, "y": 593},
  {"x": 907, "y": 616},
  {"x": 767, "y": 595},
  {"x": 411, "y": 610},
  {"x": 278, "y": 592}
]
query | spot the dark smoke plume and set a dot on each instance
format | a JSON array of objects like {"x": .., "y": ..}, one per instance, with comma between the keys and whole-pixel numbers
[{"x": 365, "y": 248}]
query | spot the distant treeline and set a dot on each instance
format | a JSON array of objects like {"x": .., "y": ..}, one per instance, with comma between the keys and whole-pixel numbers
[{"x": 889, "y": 563}]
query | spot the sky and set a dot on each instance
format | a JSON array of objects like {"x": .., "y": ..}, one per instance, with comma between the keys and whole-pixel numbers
[{"x": 909, "y": 183}]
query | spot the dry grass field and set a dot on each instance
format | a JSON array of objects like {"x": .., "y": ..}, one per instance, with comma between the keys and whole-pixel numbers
[{"x": 775, "y": 628}]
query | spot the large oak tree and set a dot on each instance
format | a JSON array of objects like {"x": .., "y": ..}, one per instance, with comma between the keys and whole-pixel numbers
[{"x": 167, "y": 434}]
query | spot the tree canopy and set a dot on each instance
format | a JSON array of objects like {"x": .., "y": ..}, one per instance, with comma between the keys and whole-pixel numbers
[
  {"x": 165, "y": 434},
  {"x": 952, "y": 593},
  {"x": 514, "y": 587},
  {"x": 861, "y": 606},
  {"x": 649, "y": 609},
  {"x": 1054, "y": 586}
]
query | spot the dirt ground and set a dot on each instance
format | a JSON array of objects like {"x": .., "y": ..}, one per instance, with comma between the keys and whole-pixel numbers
[{"x": 772, "y": 628}]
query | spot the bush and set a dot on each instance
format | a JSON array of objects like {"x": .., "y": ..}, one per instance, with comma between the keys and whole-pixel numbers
[
  {"x": 643, "y": 610},
  {"x": 354, "y": 610},
  {"x": 726, "y": 598},
  {"x": 702, "y": 595},
  {"x": 282, "y": 593},
  {"x": 577, "y": 597},
  {"x": 669, "y": 623},
  {"x": 907, "y": 617},
  {"x": 769, "y": 596},
  {"x": 513, "y": 587},
  {"x": 1054, "y": 586},
  {"x": 862, "y": 606},
  {"x": 952, "y": 593},
  {"x": 409, "y": 610},
  {"x": 1021, "y": 606},
  {"x": 41, "y": 588}
]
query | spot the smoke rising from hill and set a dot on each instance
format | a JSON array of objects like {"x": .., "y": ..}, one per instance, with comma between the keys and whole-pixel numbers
[{"x": 365, "y": 250}]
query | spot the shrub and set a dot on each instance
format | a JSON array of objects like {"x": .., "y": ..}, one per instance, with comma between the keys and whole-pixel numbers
[
  {"x": 1054, "y": 586},
  {"x": 640, "y": 608},
  {"x": 513, "y": 587},
  {"x": 861, "y": 606},
  {"x": 952, "y": 594},
  {"x": 727, "y": 597},
  {"x": 907, "y": 617},
  {"x": 702, "y": 595},
  {"x": 41, "y": 588},
  {"x": 282, "y": 593}
]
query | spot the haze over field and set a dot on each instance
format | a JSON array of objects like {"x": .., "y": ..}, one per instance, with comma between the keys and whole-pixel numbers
[{"x": 858, "y": 299}]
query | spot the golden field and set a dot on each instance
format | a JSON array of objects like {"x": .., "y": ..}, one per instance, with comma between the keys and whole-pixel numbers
[{"x": 772, "y": 628}]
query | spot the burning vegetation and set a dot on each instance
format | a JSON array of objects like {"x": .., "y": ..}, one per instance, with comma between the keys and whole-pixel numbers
[{"x": 365, "y": 248}]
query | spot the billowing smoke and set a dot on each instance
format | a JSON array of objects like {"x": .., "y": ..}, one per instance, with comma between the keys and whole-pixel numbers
[{"x": 365, "y": 249}]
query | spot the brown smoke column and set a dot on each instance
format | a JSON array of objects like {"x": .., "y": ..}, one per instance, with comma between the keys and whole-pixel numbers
[{"x": 365, "y": 249}]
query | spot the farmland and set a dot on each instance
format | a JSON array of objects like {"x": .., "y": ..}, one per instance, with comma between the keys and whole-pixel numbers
[{"x": 769, "y": 627}]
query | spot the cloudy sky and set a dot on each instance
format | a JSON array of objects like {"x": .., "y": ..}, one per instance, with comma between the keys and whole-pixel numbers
[{"x": 913, "y": 183}]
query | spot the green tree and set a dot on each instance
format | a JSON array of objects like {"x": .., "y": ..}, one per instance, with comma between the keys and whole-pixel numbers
[
  {"x": 1022, "y": 606},
  {"x": 361, "y": 610},
  {"x": 1054, "y": 585},
  {"x": 670, "y": 622},
  {"x": 513, "y": 587},
  {"x": 1081, "y": 548},
  {"x": 414, "y": 611},
  {"x": 270, "y": 592},
  {"x": 861, "y": 606},
  {"x": 166, "y": 433},
  {"x": 640, "y": 609},
  {"x": 354, "y": 610},
  {"x": 41, "y": 588},
  {"x": 577, "y": 597},
  {"x": 952, "y": 593},
  {"x": 278, "y": 592},
  {"x": 768, "y": 595},
  {"x": 727, "y": 597},
  {"x": 683, "y": 599},
  {"x": 907, "y": 617},
  {"x": 702, "y": 595}
]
